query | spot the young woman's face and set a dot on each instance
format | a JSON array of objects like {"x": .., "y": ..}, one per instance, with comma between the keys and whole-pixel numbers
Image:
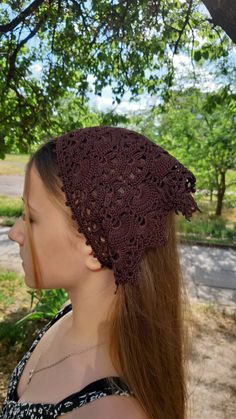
[{"x": 60, "y": 253}]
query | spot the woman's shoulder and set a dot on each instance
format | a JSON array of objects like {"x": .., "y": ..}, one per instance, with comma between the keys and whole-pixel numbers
[{"x": 109, "y": 407}]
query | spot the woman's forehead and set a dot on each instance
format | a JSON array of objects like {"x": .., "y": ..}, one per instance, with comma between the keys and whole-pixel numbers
[{"x": 34, "y": 189}]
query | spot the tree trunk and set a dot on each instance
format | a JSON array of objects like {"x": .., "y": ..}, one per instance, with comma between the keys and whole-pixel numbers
[
  {"x": 211, "y": 195},
  {"x": 223, "y": 13},
  {"x": 220, "y": 194}
]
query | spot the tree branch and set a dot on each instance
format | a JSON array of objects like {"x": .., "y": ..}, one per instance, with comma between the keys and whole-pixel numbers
[
  {"x": 223, "y": 13},
  {"x": 184, "y": 26},
  {"x": 8, "y": 27},
  {"x": 78, "y": 6},
  {"x": 13, "y": 55}
]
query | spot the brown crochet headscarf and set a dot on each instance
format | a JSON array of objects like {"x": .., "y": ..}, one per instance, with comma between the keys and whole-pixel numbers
[{"x": 120, "y": 187}]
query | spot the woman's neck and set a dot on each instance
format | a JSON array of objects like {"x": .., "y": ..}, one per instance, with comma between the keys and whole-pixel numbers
[{"x": 88, "y": 323}]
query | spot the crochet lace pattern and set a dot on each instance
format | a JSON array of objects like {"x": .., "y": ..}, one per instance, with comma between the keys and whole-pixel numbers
[{"x": 120, "y": 186}]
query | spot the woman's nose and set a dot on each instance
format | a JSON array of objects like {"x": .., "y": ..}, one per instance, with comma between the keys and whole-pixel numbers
[{"x": 15, "y": 233}]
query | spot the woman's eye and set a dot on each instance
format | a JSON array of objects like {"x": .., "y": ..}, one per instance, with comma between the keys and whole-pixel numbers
[{"x": 23, "y": 217}]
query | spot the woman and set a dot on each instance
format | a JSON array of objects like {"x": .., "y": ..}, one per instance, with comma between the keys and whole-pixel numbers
[{"x": 99, "y": 221}]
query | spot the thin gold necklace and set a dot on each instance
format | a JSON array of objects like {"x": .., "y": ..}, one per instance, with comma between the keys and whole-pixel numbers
[{"x": 34, "y": 371}]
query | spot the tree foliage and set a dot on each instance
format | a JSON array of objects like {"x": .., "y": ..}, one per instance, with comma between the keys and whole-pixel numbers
[
  {"x": 127, "y": 45},
  {"x": 200, "y": 130}
]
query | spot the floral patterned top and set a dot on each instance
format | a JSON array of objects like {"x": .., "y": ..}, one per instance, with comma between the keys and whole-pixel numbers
[{"x": 93, "y": 391}]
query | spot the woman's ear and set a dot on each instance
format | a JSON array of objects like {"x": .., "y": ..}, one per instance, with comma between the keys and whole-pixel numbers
[{"x": 91, "y": 261}]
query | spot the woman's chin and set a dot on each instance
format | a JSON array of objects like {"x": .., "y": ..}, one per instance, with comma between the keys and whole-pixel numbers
[
  {"x": 29, "y": 280},
  {"x": 30, "y": 284}
]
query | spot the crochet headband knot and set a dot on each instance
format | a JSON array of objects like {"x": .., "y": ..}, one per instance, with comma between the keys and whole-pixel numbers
[{"x": 120, "y": 186}]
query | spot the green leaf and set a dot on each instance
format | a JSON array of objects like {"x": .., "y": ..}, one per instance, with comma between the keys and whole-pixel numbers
[{"x": 197, "y": 55}]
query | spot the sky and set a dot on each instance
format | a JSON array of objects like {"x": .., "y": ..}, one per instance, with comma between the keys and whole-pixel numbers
[{"x": 183, "y": 66}]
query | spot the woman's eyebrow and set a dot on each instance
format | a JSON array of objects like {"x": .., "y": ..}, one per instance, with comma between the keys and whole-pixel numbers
[{"x": 29, "y": 205}]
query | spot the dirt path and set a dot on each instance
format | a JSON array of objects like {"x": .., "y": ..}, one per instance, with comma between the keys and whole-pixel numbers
[
  {"x": 11, "y": 185},
  {"x": 213, "y": 367}
]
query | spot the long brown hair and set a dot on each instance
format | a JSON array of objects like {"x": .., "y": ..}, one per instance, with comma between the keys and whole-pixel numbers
[{"x": 149, "y": 335}]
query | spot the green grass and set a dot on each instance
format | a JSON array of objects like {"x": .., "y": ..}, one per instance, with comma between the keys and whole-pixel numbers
[
  {"x": 15, "y": 303},
  {"x": 10, "y": 209},
  {"x": 10, "y": 206},
  {"x": 230, "y": 177},
  {"x": 19, "y": 158},
  {"x": 22, "y": 311},
  {"x": 230, "y": 201},
  {"x": 212, "y": 229},
  {"x": 212, "y": 308},
  {"x": 11, "y": 288},
  {"x": 14, "y": 164},
  {"x": 206, "y": 227}
]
